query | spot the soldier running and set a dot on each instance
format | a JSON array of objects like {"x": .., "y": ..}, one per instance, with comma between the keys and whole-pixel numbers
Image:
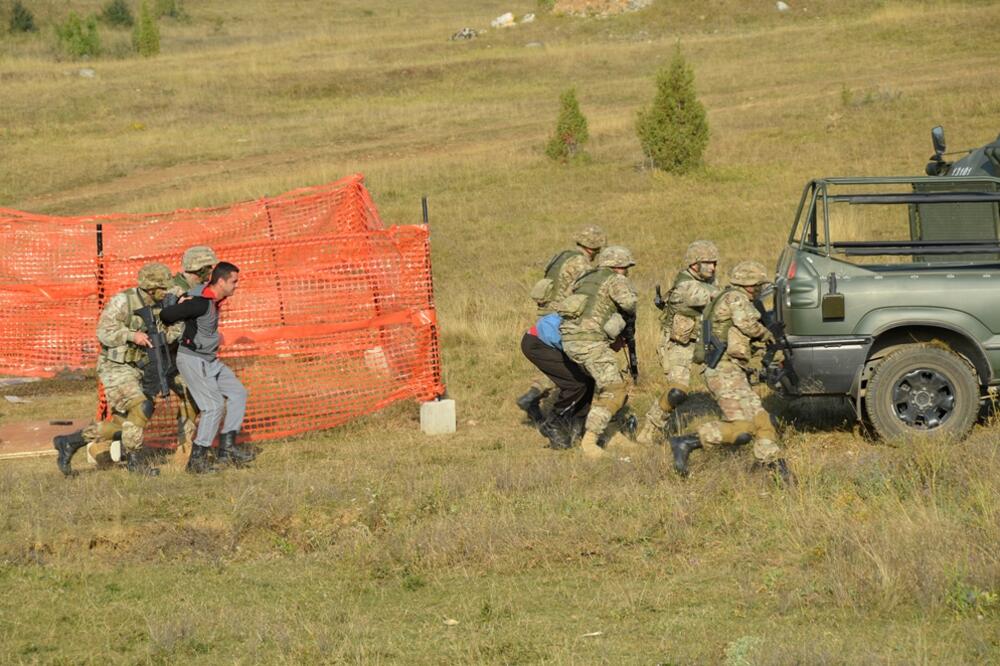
[
  {"x": 593, "y": 321},
  {"x": 693, "y": 289},
  {"x": 196, "y": 264},
  {"x": 560, "y": 273},
  {"x": 120, "y": 365},
  {"x": 736, "y": 322}
]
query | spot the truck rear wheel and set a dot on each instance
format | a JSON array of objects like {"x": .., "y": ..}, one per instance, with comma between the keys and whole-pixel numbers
[{"x": 922, "y": 391}]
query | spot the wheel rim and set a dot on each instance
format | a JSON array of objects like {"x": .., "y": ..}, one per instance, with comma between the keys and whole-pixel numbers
[{"x": 923, "y": 399}]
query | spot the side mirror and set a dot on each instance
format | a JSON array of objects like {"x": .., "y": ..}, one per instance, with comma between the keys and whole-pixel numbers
[{"x": 937, "y": 138}]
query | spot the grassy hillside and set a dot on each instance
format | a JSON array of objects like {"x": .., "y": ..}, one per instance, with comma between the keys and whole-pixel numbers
[{"x": 363, "y": 544}]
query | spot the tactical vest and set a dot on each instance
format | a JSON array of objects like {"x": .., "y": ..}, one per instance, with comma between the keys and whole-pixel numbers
[
  {"x": 551, "y": 287},
  {"x": 129, "y": 352},
  {"x": 720, "y": 330},
  {"x": 672, "y": 310},
  {"x": 596, "y": 306}
]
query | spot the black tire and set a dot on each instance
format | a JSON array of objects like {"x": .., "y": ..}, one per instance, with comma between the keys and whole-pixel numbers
[{"x": 923, "y": 391}]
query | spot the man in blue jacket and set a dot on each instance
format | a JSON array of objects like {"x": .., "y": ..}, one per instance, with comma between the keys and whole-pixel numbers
[{"x": 219, "y": 394}]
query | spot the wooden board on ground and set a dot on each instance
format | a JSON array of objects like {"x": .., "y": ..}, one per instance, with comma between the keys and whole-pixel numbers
[{"x": 30, "y": 439}]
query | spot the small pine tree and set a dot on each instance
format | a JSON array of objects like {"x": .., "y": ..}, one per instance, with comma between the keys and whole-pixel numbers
[
  {"x": 78, "y": 37},
  {"x": 21, "y": 18},
  {"x": 117, "y": 12},
  {"x": 571, "y": 130},
  {"x": 146, "y": 37},
  {"x": 674, "y": 130}
]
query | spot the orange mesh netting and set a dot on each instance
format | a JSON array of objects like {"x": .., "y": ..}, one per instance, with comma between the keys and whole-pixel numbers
[{"x": 334, "y": 316}]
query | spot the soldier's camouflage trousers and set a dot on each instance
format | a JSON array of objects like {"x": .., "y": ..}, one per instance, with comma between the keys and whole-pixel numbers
[
  {"x": 742, "y": 412},
  {"x": 129, "y": 406},
  {"x": 187, "y": 411},
  {"x": 611, "y": 390},
  {"x": 676, "y": 360}
]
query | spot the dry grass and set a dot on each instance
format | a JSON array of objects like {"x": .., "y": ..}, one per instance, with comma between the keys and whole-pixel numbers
[{"x": 356, "y": 545}]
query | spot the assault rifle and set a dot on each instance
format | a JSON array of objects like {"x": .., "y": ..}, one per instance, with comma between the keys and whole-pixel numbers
[
  {"x": 159, "y": 357},
  {"x": 658, "y": 299},
  {"x": 772, "y": 376},
  {"x": 714, "y": 347},
  {"x": 629, "y": 334}
]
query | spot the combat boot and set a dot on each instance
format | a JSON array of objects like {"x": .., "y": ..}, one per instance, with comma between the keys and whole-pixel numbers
[
  {"x": 589, "y": 447},
  {"x": 230, "y": 454},
  {"x": 200, "y": 461},
  {"x": 139, "y": 462},
  {"x": 530, "y": 402},
  {"x": 681, "y": 447},
  {"x": 558, "y": 432},
  {"x": 779, "y": 468},
  {"x": 67, "y": 445}
]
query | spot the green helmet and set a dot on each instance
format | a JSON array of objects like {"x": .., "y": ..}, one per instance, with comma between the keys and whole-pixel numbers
[
  {"x": 701, "y": 251},
  {"x": 615, "y": 256},
  {"x": 154, "y": 276},
  {"x": 591, "y": 237},
  {"x": 748, "y": 274},
  {"x": 198, "y": 257}
]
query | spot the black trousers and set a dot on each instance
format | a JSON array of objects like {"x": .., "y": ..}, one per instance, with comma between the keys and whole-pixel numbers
[{"x": 576, "y": 387}]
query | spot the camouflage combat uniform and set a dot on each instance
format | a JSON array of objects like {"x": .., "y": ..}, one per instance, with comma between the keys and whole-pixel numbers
[
  {"x": 737, "y": 321},
  {"x": 592, "y": 321},
  {"x": 561, "y": 272},
  {"x": 681, "y": 333},
  {"x": 120, "y": 370},
  {"x": 197, "y": 261}
]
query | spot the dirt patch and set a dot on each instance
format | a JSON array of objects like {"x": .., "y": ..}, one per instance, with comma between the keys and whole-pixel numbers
[
  {"x": 598, "y": 7},
  {"x": 28, "y": 439}
]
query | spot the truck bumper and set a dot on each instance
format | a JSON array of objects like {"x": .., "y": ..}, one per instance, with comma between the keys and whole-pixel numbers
[{"x": 819, "y": 365}]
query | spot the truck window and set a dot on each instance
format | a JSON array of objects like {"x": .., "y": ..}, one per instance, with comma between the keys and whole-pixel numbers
[{"x": 919, "y": 223}]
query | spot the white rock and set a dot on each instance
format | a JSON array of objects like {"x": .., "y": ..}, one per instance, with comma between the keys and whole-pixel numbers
[
  {"x": 87, "y": 73},
  {"x": 503, "y": 21},
  {"x": 782, "y": 7},
  {"x": 527, "y": 18}
]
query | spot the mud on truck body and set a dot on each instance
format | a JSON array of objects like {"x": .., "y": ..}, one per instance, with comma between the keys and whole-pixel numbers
[{"x": 888, "y": 292}]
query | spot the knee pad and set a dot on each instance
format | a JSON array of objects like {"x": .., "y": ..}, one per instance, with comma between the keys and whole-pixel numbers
[
  {"x": 764, "y": 426},
  {"x": 139, "y": 412},
  {"x": 673, "y": 398},
  {"x": 737, "y": 432},
  {"x": 612, "y": 397}
]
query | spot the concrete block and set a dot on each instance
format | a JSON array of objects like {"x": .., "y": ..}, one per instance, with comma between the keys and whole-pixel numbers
[{"x": 437, "y": 417}]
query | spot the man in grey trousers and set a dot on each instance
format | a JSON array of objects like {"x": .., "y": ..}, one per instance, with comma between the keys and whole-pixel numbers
[{"x": 220, "y": 396}]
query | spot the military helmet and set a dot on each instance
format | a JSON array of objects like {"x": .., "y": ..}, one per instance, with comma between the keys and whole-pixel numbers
[
  {"x": 198, "y": 257},
  {"x": 701, "y": 251},
  {"x": 748, "y": 274},
  {"x": 154, "y": 276},
  {"x": 615, "y": 256},
  {"x": 591, "y": 237}
]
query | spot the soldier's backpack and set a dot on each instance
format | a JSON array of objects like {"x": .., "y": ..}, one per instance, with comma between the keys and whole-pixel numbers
[{"x": 549, "y": 286}]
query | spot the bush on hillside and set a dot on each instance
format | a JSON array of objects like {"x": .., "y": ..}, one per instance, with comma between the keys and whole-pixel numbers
[
  {"x": 571, "y": 130},
  {"x": 146, "y": 36},
  {"x": 117, "y": 13},
  {"x": 21, "y": 18},
  {"x": 674, "y": 130},
  {"x": 78, "y": 37},
  {"x": 171, "y": 9}
]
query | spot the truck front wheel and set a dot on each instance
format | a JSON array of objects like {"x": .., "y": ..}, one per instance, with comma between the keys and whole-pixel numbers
[{"x": 924, "y": 391}]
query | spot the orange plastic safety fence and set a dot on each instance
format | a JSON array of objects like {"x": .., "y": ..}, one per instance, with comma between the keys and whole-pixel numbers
[{"x": 334, "y": 316}]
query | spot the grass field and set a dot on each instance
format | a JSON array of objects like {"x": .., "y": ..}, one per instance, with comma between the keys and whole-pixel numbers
[{"x": 373, "y": 544}]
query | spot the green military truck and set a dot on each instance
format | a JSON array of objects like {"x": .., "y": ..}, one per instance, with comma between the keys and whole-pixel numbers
[{"x": 889, "y": 294}]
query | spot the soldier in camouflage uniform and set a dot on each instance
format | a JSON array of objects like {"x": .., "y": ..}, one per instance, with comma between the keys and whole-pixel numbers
[
  {"x": 693, "y": 289},
  {"x": 593, "y": 321},
  {"x": 124, "y": 339},
  {"x": 736, "y": 322},
  {"x": 561, "y": 272},
  {"x": 196, "y": 264}
]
